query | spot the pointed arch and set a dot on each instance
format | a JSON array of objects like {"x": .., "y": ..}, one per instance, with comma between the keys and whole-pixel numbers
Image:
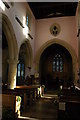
[
  {"x": 28, "y": 53},
  {"x": 11, "y": 38},
  {"x": 65, "y": 45},
  {"x": 12, "y": 60},
  {"x": 25, "y": 61}
]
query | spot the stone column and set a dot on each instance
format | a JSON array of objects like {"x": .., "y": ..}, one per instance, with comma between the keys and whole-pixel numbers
[{"x": 12, "y": 73}]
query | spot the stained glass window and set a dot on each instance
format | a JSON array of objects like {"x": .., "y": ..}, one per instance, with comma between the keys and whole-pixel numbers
[
  {"x": 20, "y": 70},
  {"x": 57, "y": 63}
]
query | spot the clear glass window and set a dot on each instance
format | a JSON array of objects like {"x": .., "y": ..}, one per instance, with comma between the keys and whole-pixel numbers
[{"x": 27, "y": 21}]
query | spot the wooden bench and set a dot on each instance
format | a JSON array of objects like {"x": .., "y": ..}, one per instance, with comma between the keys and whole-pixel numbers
[{"x": 69, "y": 106}]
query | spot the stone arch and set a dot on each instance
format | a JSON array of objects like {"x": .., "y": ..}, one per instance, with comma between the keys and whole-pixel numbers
[
  {"x": 65, "y": 45},
  {"x": 11, "y": 38},
  {"x": 13, "y": 53},
  {"x": 25, "y": 60},
  {"x": 28, "y": 53}
]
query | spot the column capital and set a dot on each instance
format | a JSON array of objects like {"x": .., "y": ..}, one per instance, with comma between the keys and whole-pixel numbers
[{"x": 12, "y": 61}]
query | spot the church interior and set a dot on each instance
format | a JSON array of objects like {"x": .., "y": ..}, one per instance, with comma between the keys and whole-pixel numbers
[{"x": 40, "y": 68}]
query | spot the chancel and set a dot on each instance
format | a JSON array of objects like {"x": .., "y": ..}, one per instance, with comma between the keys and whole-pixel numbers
[{"x": 40, "y": 60}]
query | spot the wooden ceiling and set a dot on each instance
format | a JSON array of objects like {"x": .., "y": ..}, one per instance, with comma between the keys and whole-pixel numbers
[{"x": 43, "y": 10}]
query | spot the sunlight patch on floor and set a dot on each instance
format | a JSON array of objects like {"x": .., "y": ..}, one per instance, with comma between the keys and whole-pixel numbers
[
  {"x": 46, "y": 97},
  {"x": 28, "y": 118},
  {"x": 49, "y": 96}
]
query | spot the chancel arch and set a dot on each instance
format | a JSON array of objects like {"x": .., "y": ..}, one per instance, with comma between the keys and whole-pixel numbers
[
  {"x": 70, "y": 52},
  {"x": 9, "y": 40}
]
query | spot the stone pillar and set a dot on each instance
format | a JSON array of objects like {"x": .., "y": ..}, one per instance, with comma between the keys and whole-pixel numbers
[{"x": 12, "y": 73}]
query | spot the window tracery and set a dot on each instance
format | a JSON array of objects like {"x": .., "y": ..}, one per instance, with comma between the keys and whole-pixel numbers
[{"x": 57, "y": 63}]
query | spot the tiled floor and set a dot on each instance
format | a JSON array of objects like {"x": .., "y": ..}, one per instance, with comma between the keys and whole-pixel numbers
[{"x": 44, "y": 109}]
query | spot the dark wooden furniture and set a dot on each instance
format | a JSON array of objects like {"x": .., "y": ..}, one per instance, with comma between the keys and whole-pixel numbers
[
  {"x": 70, "y": 109},
  {"x": 28, "y": 94}
]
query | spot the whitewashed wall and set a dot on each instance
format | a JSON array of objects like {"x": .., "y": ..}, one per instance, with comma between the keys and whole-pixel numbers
[
  {"x": 40, "y": 29},
  {"x": 68, "y": 31},
  {"x": 20, "y": 9}
]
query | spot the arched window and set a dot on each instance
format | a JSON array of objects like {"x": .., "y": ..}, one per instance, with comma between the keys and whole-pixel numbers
[
  {"x": 20, "y": 73},
  {"x": 57, "y": 63},
  {"x": 27, "y": 20},
  {"x": 20, "y": 70}
]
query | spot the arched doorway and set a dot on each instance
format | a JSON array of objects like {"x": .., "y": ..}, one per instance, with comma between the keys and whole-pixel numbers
[
  {"x": 56, "y": 67},
  {"x": 10, "y": 54},
  {"x": 25, "y": 62}
]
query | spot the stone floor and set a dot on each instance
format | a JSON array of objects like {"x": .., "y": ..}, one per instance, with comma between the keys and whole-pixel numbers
[{"x": 44, "y": 109}]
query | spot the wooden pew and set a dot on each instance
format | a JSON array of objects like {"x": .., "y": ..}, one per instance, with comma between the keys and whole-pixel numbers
[
  {"x": 28, "y": 93},
  {"x": 69, "y": 105}
]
